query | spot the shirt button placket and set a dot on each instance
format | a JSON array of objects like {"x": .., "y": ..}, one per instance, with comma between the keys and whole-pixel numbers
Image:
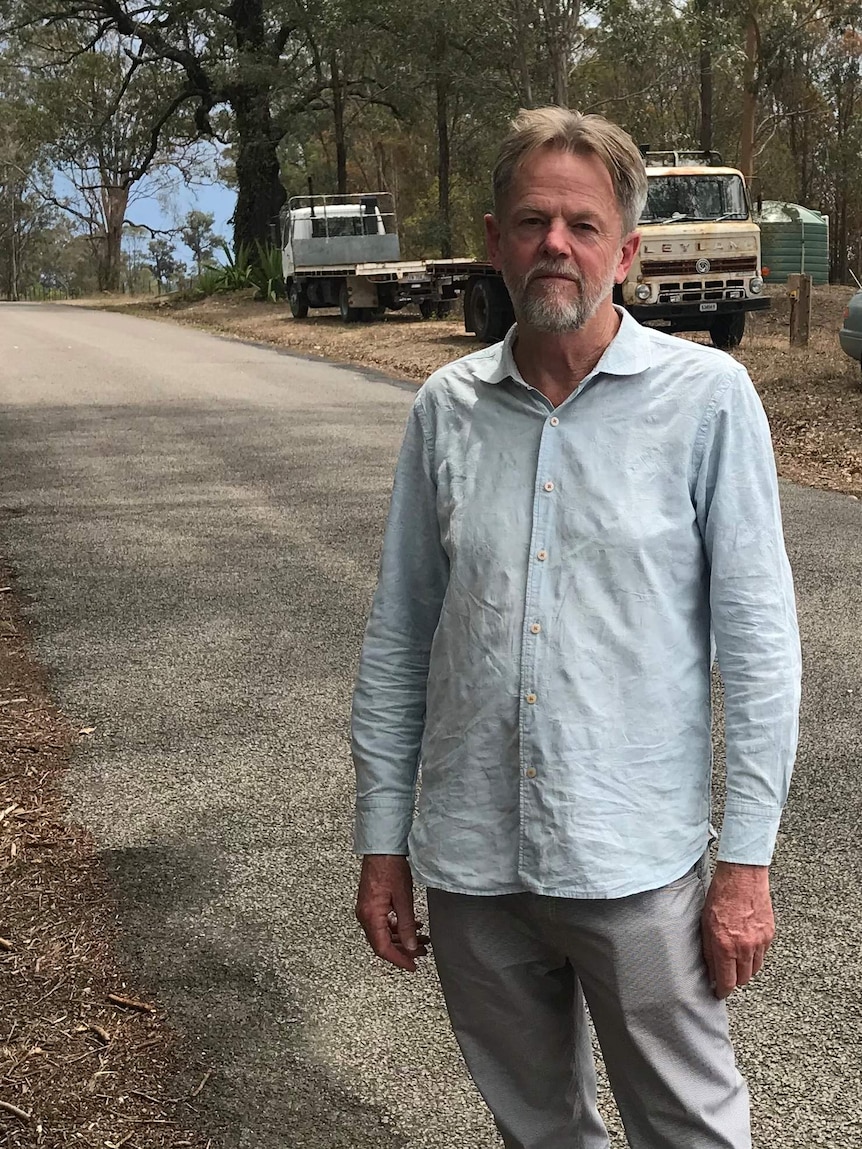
[{"x": 528, "y": 661}]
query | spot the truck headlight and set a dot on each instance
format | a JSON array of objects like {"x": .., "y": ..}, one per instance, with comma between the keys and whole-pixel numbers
[
  {"x": 642, "y": 292},
  {"x": 755, "y": 285}
]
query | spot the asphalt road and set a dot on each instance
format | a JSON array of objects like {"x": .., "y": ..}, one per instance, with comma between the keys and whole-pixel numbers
[{"x": 199, "y": 523}]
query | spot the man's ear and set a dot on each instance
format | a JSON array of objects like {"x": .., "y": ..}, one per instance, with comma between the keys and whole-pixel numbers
[
  {"x": 630, "y": 248},
  {"x": 492, "y": 239}
]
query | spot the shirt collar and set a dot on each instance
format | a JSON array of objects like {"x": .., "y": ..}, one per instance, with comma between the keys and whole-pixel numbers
[{"x": 628, "y": 353}]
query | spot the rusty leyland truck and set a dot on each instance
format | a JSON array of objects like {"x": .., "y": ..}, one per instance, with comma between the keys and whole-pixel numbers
[{"x": 698, "y": 268}]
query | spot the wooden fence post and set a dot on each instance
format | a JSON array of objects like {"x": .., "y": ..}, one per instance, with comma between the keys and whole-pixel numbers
[{"x": 799, "y": 290}]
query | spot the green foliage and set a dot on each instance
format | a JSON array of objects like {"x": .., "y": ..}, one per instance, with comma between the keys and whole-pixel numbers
[
  {"x": 163, "y": 262},
  {"x": 258, "y": 267},
  {"x": 268, "y": 273},
  {"x": 198, "y": 236}
]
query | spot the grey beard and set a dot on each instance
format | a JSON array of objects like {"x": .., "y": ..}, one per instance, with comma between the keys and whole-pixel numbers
[{"x": 549, "y": 312}]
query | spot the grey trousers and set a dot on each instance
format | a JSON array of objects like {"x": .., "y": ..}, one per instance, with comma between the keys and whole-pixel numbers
[{"x": 515, "y": 970}]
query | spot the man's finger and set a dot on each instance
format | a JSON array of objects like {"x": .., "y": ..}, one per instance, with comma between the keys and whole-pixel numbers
[
  {"x": 725, "y": 975},
  {"x": 402, "y": 904},
  {"x": 380, "y": 940},
  {"x": 744, "y": 968}
]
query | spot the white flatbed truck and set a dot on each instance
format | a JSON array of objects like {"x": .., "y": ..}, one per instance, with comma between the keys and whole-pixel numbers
[{"x": 343, "y": 251}]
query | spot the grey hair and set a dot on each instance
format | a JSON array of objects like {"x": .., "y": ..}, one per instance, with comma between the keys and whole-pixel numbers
[{"x": 578, "y": 134}]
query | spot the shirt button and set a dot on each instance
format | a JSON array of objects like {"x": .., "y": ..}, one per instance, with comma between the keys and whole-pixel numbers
[
  {"x": 549, "y": 486},
  {"x": 541, "y": 556},
  {"x": 530, "y": 772},
  {"x": 535, "y": 628},
  {"x": 531, "y": 698},
  {"x": 554, "y": 421}
]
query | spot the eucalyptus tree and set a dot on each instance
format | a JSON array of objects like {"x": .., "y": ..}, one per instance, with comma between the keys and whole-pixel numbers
[
  {"x": 239, "y": 60},
  {"x": 198, "y": 236},
  {"x": 23, "y": 162},
  {"x": 111, "y": 118}
]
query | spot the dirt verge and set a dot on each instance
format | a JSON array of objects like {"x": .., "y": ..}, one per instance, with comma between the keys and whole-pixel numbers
[{"x": 76, "y": 1067}]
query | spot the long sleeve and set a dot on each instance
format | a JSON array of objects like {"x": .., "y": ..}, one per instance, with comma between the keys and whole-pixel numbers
[
  {"x": 753, "y": 615},
  {"x": 389, "y": 697}
]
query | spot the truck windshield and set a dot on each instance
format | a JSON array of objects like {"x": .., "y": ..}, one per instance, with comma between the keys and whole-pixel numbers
[{"x": 700, "y": 197}]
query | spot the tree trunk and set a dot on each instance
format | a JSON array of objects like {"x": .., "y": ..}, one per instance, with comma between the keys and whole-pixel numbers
[
  {"x": 338, "y": 118},
  {"x": 380, "y": 163},
  {"x": 749, "y": 99},
  {"x": 115, "y": 200},
  {"x": 706, "y": 133},
  {"x": 705, "y": 73},
  {"x": 260, "y": 194},
  {"x": 522, "y": 48},
  {"x": 444, "y": 159},
  {"x": 561, "y": 23}
]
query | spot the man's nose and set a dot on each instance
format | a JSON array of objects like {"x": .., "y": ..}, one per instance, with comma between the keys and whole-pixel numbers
[{"x": 556, "y": 241}]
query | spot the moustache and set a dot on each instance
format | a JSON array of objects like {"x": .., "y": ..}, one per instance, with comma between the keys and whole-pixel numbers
[{"x": 560, "y": 270}]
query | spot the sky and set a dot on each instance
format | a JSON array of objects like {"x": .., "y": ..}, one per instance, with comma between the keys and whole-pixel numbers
[{"x": 216, "y": 199}]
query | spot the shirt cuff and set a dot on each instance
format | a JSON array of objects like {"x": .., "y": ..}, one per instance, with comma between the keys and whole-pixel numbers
[
  {"x": 748, "y": 836},
  {"x": 382, "y": 829}
]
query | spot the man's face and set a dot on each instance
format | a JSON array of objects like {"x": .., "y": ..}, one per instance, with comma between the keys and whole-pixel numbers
[{"x": 558, "y": 240}]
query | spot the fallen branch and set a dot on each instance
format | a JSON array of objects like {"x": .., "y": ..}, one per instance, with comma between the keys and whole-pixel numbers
[
  {"x": 100, "y": 1049},
  {"x": 206, "y": 1078},
  {"x": 12, "y": 701},
  {"x": 155, "y": 1100},
  {"x": 130, "y": 1003},
  {"x": 146, "y": 1044},
  {"x": 15, "y": 1111}
]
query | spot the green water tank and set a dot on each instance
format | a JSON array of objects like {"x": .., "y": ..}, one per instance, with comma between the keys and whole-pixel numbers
[{"x": 793, "y": 238}]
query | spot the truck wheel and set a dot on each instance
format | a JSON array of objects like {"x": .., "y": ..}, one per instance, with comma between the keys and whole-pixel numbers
[
  {"x": 727, "y": 331},
  {"x": 490, "y": 309},
  {"x": 348, "y": 314},
  {"x": 297, "y": 299}
]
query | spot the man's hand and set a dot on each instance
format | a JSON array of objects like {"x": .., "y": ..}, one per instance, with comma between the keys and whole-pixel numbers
[
  {"x": 738, "y": 925},
  {"x": 384, "y": 909}
]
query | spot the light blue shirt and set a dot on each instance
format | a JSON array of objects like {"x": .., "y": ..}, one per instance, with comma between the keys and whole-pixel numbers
[{"x": 539, "y": 646}]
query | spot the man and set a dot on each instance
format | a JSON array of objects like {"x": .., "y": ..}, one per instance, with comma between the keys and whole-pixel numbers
[{"x": 578, "y": 514}]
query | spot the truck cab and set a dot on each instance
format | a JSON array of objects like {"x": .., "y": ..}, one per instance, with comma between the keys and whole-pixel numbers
[
  {"x": 318, "y": 232},
  {"x": 698, "y": 267}
]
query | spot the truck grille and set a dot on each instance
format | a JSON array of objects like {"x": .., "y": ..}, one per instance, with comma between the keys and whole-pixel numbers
[
  {"x": 700, "y": 291},
  {"x": 740, "y": 264}
]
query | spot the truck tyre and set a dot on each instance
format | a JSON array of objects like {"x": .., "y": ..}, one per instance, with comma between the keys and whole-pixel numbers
[
  {"x": 727, "y": 331},
  {"x": 348, "y": 314},
  {"x": 297, "y": 299},
  {"x": 490, "y": 309}
]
